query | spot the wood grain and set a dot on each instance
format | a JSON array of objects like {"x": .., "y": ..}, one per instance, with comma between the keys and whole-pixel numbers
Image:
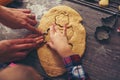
[{"x": 101, "y": 61}]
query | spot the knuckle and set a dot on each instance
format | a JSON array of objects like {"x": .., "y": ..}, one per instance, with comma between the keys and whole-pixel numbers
[
  {"x": 24, "y": 23},
  {"x": 35, "y": 21},
  {"x": 29, "y": 45},
  {"x": 29, "y": 40},
  {"x": 25, "y": 17},
  {"x": 25, "y": 40},
  {"x": 9, "y": 43}
]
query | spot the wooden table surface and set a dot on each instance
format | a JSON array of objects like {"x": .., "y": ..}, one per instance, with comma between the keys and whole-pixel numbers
[{"x": 100, "y": 61}]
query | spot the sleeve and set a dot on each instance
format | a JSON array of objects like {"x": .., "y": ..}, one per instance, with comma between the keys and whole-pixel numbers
[{"x": 74, "y": 68}]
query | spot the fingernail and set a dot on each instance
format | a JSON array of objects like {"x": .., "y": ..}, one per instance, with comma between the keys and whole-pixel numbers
[
  {"x": 12, "y": 64},
  {"x": 37, "y": 38},
  {"x": 39, "y": 41}
]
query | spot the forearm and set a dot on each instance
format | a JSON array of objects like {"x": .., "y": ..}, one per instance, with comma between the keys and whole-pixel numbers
[
  {"x": 1, "y": 11},
  {"x": 5, "y": 15}
]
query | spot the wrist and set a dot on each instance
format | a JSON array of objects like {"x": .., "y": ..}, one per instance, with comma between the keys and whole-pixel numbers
[
  {"x": 65, "y": 52},
  {"x": 2, "y": 12},
  {"x": 73, "y": 60},
  {"x": 1, "y": 9},
  {"x": 4, "y": 15}
]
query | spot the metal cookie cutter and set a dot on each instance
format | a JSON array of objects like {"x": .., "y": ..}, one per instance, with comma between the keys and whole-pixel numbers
[
  {"x": 45, "y": 34},
  {"x": 102, "y": 33}
]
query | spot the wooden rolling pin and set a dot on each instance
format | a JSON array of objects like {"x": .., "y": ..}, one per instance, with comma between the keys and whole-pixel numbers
[
  {"x": 104, "y": 3},
  {"x": 5, "y": 2}
]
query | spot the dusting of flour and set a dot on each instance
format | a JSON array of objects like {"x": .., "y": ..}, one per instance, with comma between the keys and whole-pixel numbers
[{"x": 38, "y": 7}]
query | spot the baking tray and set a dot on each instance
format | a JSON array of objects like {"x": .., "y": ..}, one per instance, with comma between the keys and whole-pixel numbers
[{"x": 111, "y": 9}]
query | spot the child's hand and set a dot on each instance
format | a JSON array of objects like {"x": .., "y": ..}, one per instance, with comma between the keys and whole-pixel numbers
[{"x": 59, "y": 41}]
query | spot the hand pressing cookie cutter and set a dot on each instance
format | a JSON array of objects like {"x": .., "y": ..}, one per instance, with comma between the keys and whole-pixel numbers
[{"x": 102, "y": 33}]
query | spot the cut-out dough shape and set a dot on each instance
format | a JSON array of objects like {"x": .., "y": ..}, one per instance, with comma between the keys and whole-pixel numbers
[
  {"x": 61, "y": 20},
  {"x": 76, "y": 34}
]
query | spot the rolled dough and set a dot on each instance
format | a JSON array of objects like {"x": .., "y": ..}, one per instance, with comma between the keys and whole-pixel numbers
[{"x": 76, "y": 34}]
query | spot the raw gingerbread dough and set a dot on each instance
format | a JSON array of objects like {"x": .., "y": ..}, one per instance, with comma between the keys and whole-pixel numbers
[{"x": 76, "y": 34}]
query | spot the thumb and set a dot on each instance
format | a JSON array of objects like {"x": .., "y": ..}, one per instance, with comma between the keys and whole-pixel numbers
[{"x": 50, "y": 44}]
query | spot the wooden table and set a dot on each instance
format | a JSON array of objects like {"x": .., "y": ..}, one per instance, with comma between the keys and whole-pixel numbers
[{"x": 100, "y": 61}]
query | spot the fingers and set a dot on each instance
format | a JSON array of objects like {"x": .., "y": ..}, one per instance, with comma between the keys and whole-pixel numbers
[
  {"x": 39, "y": 40},
  {"x": 19, "y": 55},
  {"x": 25, "y": 10},
  {"x": 31, "y": 16},
  {"x": 35, "y": 36},
  {"x": 65, "y": 30},
  {"x": 31, "y": 21},
  {"x": 56, "y": 29},
  {"x": 31, "y": 28},
  {"x": 21, "y": 41},
  {"x": 32, "y": 36},
  {"x": 24, "y": 46},
  {"x": 53, "y": 27},
  {"x": 28, "y": 45},
  {"x": 52, "y": 30}
]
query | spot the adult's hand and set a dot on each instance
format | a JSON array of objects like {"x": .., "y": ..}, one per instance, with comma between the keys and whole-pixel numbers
[
  {"x": 16, "y": 49},
  {"x": 59, "y": 41},
  {"x": 18, "y": 18}
]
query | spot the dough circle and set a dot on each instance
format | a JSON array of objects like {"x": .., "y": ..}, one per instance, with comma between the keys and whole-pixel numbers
[{"x": 76, "y": 34}]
